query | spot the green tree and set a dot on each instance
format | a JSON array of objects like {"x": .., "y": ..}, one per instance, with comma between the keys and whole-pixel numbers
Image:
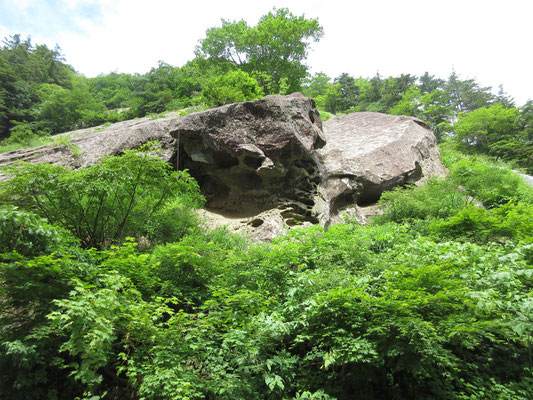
[
  {"x": 331, "y": 100},
  {"x": 277, "y": 46},
  {"x": 526, "y": 120},
  {"x": 169, "y": 88},
  {"x": 36, "y": 63},
  {"x": 503, "y": 98},
  {"x": 231, "y": 87},
  {"x": 524, "y": 150},
  {"x": 113, "y": 90},
  {"x": 327, "y": 95},
  {"x": 348, "y": 90},
  {"x": 65, "y": 109},
  {"x": 491, "y": 130},
  {"x": 316, "y": 85},
  {"x": 24, "y": 67},
  {"x": 433, "y": 108},
  {"x": 467, "y": 95},
  {"x": 429, "y": 83},
  {"x": 7, "y": 89}
]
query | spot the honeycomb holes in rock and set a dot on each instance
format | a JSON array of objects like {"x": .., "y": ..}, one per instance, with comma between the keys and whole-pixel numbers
[{"x": 251, "y": 194}]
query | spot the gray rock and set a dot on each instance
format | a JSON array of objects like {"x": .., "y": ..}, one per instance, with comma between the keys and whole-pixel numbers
[
  {"x": 270, "y": 164},
  {"x": 255, "y": 156},
  {"x": 368, "y": 153},
  {"x": 87, "y": 146}
]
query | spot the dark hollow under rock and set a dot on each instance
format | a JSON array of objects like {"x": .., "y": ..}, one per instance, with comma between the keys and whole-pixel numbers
[{"x": 250, "y": 157}]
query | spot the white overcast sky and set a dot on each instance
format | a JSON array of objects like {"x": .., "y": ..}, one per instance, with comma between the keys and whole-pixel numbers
[{"x": 489, "y": 40}]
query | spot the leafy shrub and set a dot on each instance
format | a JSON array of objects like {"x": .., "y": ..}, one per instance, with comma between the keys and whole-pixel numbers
[
  {"x": 66, "y": 109},
  {"x": 510, "y": 221},
  {"x": 172, "y": 221},
  {"x": 365, "y": 311},
  {"x": 185, "y": 268},
  {"x": 30, "y": 357},
  {"x": 26, "y": 233},
  {"x": 491, "y": 184},
  {"x": 97, "y": 322},
  {"x": 104, "y": 203},
  {"x": 231, "y": 87},
  {"x": 25, "y": 134},
  {"x": 226, "y": 239},
  {"x": 486, "y": 129},
  {"x": 437, "y": 199},
  {"x": 490, "y": 181}
]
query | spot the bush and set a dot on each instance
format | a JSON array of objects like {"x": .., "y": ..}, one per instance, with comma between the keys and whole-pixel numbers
[
  {"x": 184, "y": 269},
  {"x": 437, "y": 199},
  {"x": 40, "y": 269},
  {"x": 231, "y": 87},
  {"x": 26, "y": 233},
  {"x": 66, "y": 109},
  {"x": 491, "y": 184},
  {"x": 507, "y": 222},
  {"x": 172, "y": 221},
  {"x": 106, "y": 202}
]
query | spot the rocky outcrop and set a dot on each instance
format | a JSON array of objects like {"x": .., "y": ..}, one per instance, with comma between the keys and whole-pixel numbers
[
  {"x": 255, "y": 156},
  {"x": 270, "y": 164},
  {"x": 85, "y": 147},
  {"x": 367, "y": 153}
]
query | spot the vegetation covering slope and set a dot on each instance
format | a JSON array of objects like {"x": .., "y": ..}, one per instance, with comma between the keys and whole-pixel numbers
[
  {"x": 433, "y": 300},
  {"x": 110, "y": 288}
]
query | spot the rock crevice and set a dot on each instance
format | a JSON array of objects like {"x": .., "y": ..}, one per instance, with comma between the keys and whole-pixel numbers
[{"x": 270, "y": 164}]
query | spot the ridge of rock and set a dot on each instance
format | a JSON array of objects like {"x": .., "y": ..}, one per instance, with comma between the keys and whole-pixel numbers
[
  {"x": 94, "y": 143},
  {"x": 270, "y": 164}
]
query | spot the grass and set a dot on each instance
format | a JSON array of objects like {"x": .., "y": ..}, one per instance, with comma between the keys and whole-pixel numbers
[{"x": 38, "y": 141}]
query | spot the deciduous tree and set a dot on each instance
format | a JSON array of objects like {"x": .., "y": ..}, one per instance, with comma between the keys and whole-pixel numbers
[{"x": 277, "y": 46}]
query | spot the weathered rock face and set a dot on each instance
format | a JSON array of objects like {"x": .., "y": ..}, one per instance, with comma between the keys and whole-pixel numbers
[
  {"x": 255, "y": 156},
  {"x": 270, "y": 164},
  {"x": 367, "y": 153},
  {"x": 94, "y": 143}
]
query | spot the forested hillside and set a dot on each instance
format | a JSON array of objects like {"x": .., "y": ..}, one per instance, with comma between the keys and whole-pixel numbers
[
  {"x": 111, "y": 287},
  {"x": 41, "y": 95}
]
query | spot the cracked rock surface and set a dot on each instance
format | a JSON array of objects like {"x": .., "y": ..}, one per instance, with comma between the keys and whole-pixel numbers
[
  {"x": 271, "y": 164},
  {"x": 255, "y": 156},
  {"x": 94, "y": 143},
  {"x": 368, "y": 153}
]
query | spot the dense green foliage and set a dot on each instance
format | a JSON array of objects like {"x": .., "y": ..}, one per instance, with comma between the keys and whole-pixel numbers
[
  {"x": 498, "y": 131},
  {"x": 111, "y": 288},
  {"x": 24, "y": 70},
  {"x": 433, "y": 300},
  {"x": 231, "y": 87},
  {"x": 130, "y": 195}
]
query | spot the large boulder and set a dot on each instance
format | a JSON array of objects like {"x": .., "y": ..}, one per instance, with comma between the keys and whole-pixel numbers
[
  {"x": 269, "y": 164},
  {"x": 368, "y": 153},
  {"x": 255, "y": 156}
]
